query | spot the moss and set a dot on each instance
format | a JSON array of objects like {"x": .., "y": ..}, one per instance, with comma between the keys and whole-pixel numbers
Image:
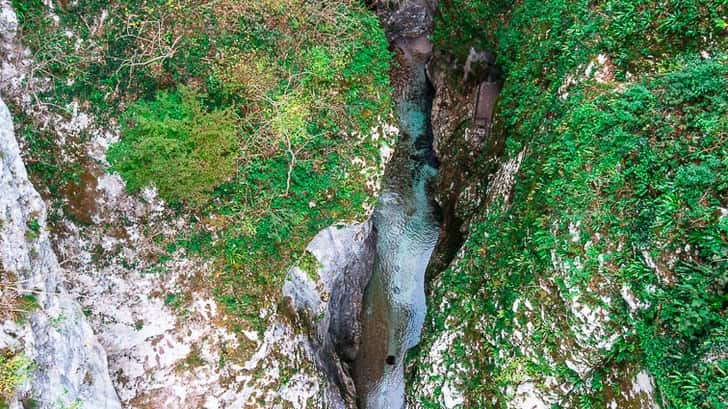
[
  {"x": 25, "y": 305},
  {"x": 310, "y": 265},
  {"x": 33, "y": 230},
  {"x": 193, "y": 360},
  {"x": 30, "y": 403}
]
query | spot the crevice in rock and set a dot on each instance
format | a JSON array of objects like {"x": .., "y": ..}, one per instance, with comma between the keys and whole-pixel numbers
[
  {"x": 406, "y": 216},
  {"x": 463, "y": 119},
  {"x": 373, "y": 304}
]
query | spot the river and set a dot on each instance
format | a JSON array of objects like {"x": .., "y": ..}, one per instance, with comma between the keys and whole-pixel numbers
[{"x": 407, "y": 230}]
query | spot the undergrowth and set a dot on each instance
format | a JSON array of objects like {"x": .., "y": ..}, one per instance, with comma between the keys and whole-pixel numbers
[
  {"x": 252, "y": 117},
  {"x": 14, "y": 371},
  {"x": 624, "y": 185},
  {"x": 177, "y": 146}
]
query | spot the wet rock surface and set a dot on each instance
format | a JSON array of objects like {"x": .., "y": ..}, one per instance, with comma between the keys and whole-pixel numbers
[{"x": 463, "y": 118}]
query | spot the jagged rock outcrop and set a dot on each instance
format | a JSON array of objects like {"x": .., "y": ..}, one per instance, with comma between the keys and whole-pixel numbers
[
  {"x": 467, "y": 147},
  {"x": 327, "y": 299},
  {"x": 67, "y": 364},
  {"x": 405, "y": 19}
]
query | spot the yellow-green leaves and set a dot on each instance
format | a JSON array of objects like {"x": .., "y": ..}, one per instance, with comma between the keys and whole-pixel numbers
[{"x": 14, "y": 371}]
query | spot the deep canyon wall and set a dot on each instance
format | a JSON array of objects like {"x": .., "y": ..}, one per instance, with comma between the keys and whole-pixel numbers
[{"x": 575, "y": 152}]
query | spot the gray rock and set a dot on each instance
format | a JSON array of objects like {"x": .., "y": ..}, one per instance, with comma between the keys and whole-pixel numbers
[
  {"x": 68, "y": 363},
  {"x": 8, "y": 20},
  {"x": 406, "y": 18},
  {"x": 327, "y": 302}
]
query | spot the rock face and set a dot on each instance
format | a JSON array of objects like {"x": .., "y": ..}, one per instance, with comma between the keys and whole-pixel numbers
[
  {"x": 403, "y": 19},
  {"x": 464, "y": 142},
  {"x": 45, "y": 326},
  {"x": 326, "y": 296},
  {"x": 68, "y": 363}
]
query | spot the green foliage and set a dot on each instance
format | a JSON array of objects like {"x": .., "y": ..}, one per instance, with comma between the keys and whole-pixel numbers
[
  {"x": 33, "y": 229},
  {"x": 638, "y": 166},
  {"x": 15, "y": 370},
  {"x": 193, "y": 360},
  {"x": 310, "y": 265},
  {"x": 461, "y": 24},
  {"x": 74, "y": 404},
  {"x": 43, "y": 158},
  {"x": 175, "y": 144},
  {"x": 25, "y": 306},
  {"x": 306, "y": 81}
]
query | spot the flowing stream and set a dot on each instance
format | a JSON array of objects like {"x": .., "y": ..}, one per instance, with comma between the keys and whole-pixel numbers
[{"x": 407, "y": 231}]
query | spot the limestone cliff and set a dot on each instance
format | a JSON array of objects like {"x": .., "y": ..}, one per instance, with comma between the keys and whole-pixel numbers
[{"x": 66, "y": 365}]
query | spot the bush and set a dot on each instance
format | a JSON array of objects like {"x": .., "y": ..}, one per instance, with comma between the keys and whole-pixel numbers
[
  {"x": 177, "y": 146},
  {"x": 14, "y": 370}
]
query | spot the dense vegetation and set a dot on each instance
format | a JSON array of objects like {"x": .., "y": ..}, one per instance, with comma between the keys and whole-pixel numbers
[
  {"x": 258, "y": 115},
  {"x": 624, "y": 184},
  {"x": 254, "y": 119},
  {"x": 175, "y": 145},
  {"x": 14, "y": 371}
]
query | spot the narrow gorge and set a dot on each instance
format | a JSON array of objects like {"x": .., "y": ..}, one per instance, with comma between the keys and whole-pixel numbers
[
  {"x": 405, "y": 219},
  {"x": 348, "y": 204}
]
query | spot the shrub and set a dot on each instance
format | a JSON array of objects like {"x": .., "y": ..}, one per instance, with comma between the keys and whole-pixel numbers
[
  {"x": 14, "y": 370},
  {"x": 173, "y": 143},
  {"x": 307, "y": 80}
]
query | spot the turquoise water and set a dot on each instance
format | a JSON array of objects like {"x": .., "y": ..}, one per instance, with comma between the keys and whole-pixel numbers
[{"x": 407, "y": 231}]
